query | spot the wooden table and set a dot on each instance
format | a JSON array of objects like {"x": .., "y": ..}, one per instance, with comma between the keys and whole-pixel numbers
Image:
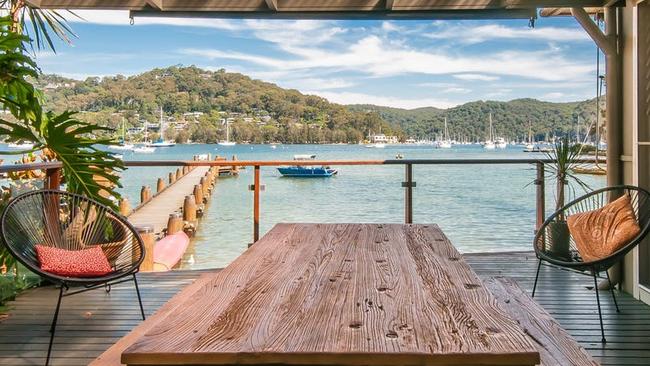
[{"x": 340, "y": 294}]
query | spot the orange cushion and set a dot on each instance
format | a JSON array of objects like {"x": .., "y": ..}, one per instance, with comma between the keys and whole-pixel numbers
[
  {"x": 601, "y": 232},
  {"x": 90, "y": 262}
]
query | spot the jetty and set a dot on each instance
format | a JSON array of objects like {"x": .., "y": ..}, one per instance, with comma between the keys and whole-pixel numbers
[
  {"x": 178, "y": 203},
  {"x": 154, "y": 211}
]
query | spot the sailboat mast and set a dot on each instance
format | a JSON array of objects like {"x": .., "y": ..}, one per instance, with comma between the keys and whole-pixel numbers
[
  {"x": 490, "y": 118},
  {"x": 162, "y": 127}
]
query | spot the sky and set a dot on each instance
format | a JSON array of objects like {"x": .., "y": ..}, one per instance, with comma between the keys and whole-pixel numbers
[{"x": 405, "y": 64}]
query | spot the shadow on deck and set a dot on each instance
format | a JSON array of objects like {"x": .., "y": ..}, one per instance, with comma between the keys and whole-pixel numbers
[{"x": 89, "y": 323}]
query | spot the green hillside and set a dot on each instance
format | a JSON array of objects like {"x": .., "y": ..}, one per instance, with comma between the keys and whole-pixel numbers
[
  {"x": 198, "y": 103},
  {"x": 510, "y": 119}
]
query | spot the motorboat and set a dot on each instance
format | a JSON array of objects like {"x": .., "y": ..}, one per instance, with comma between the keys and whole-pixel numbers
[
  {"x": 144, "y": 149},
  {"x": 304, "y": 171},
  {"x": 20, "y": 146}
]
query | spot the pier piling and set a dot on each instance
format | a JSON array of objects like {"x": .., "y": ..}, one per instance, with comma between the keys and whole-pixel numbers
[{"x": 125, "y": 207}]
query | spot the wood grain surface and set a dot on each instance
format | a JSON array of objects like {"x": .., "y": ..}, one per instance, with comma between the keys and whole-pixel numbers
[
  {"x": 344, "y": 294},
  {"x": 555, "y": 345}
]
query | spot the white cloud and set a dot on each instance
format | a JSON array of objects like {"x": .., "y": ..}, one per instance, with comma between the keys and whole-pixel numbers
[
  {"x": 482, "y": 33},
  {"x": 390, "y": 101},
  {"x": 457, "y": 90},
  {"x": 372, "y": 55},
  {"x": 473, "y": 77}
]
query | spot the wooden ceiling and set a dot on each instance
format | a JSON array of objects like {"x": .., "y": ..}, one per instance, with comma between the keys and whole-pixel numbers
[{"x": 325, "y": 9}]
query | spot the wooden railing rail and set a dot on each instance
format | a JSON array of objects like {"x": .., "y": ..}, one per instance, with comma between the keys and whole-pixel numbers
[{"x": 53, "y": 176}]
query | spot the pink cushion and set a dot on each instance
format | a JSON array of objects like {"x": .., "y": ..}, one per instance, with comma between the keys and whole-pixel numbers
[{"x": 90, "y": 262}]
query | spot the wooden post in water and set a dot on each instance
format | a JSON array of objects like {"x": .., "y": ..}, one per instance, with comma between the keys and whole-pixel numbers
[
  {"x": 145, "y": 194},
  {"x": 198, "y": 194},
  {"x": 179, "y": 173},
  {"x": 540, "y": 196},
  {"x": 235, "y": 168},
  {"x": 189, "y": 209},
  {"x": 174, "y": 224},
  {"x": 125, "y": 207},
  {"x": 172, "y": 178},
  {"x": 206, "y": 187},
  {"x": 146, "y": 233},
  {"x": 160, "y": 185}
]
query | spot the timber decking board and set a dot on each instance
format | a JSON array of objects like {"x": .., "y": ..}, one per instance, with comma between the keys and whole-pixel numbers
[
  {"x": 340, "y": 294},
  {"x": 156, "y": 212},
  {"x": 564, "y": 296},
  {"x": 555, "y": 345}
]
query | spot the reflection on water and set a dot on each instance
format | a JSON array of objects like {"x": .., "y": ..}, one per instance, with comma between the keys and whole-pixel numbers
[{"x": 480, "y": 207}]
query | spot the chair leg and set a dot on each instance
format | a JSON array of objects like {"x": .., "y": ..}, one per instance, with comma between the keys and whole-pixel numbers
[
  {"x": 137, "y": 290},
  {"x": 600, "y": 314},
  {"x": 611, "y": 289},
  {"x": 53, "y": 326},
  {"x": 539, "y": 265}
]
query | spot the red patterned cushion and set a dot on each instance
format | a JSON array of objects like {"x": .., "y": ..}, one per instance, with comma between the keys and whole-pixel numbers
[{"x": 73, "y": 263}]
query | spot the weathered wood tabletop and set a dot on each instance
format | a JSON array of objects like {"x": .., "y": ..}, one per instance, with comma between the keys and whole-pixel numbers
[{"x": 340, "y": 294}]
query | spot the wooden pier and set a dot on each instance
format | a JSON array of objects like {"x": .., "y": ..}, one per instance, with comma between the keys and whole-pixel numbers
[{"x": 155, "y": 211}]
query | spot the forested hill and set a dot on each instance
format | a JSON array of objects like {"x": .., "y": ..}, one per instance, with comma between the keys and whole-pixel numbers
[
  {"x": 259, "y": 111},
  {"x": 197, "y": 102},
  {"x": 510, "y": 119}
]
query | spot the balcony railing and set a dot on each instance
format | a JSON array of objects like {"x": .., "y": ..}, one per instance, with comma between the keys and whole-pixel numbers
[{"x": 53, "y": 175}]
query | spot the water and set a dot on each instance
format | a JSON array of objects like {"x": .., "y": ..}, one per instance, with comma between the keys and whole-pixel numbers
[{"x": 482, "y": 208}]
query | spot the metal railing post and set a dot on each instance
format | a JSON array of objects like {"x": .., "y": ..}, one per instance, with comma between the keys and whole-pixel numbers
[
  {"x": 53, "y": 178},
  {"x": 256, "y": 204},
  {"x": 540, "y": 196},
  {"x": 408, "y": 184}
]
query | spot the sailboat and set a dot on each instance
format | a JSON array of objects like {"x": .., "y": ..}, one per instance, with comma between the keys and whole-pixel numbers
[
  {"x": 530, "y": 146},
  {"x": 227, "y": 142},
  {"x": 489, "y": 143},
  {"x": 446, "y": 143},
  {"x": 123, "y": 145},
  {"x": 161, "y": 142}
]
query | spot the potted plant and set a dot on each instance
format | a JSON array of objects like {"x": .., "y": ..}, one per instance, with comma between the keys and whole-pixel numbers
[{"x": 563, "y": 158}]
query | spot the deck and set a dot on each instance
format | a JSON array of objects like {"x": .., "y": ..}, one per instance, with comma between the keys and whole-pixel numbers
[
  {"x": 156, "y": 212},
  {"x": 91, "y": 322}
]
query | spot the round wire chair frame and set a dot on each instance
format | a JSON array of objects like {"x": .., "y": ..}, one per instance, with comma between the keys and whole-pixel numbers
[
  {"x": 600, "y": 265},
  {"x": 34, "y": 267},
  {"x": 604, "y": 263},
  {"x": 89, "y": 283}
]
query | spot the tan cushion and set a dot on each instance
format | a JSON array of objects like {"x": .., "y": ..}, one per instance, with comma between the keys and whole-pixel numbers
[{"x": 601, "y": 232}]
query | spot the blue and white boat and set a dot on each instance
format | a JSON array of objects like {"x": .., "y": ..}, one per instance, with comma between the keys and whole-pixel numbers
[{"x": 303, "y": 171}]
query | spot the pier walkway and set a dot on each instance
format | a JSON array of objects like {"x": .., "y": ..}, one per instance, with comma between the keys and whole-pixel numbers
[
  {"x": 155, "y": 212},
  {"x": 91, "y": 322}
]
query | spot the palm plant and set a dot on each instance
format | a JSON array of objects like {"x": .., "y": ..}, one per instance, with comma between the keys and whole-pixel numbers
[
  {"x": 562, "y": 160},
  {"x": 564, "y": 157},
  {"x": 43, "y": 23},
  {"x": 58, "y": 136}
]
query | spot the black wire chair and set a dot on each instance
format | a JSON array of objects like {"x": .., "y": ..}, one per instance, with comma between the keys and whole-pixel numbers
[
  {"x": 73, "y": 222},
  {"x": 570, "y": 258}
]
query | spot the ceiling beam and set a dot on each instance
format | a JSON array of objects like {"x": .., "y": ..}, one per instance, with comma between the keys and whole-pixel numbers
[
  {"x": 272, "y": 4},
  {"x": 156, "y": 4},
  {"x": 346, "y": 15},
  {"x": 607, "y": 45},
  {"x": 316, "y": 5}
]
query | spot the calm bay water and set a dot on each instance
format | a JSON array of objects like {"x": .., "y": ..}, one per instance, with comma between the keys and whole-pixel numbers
[{"x": 482, "y": 208}]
